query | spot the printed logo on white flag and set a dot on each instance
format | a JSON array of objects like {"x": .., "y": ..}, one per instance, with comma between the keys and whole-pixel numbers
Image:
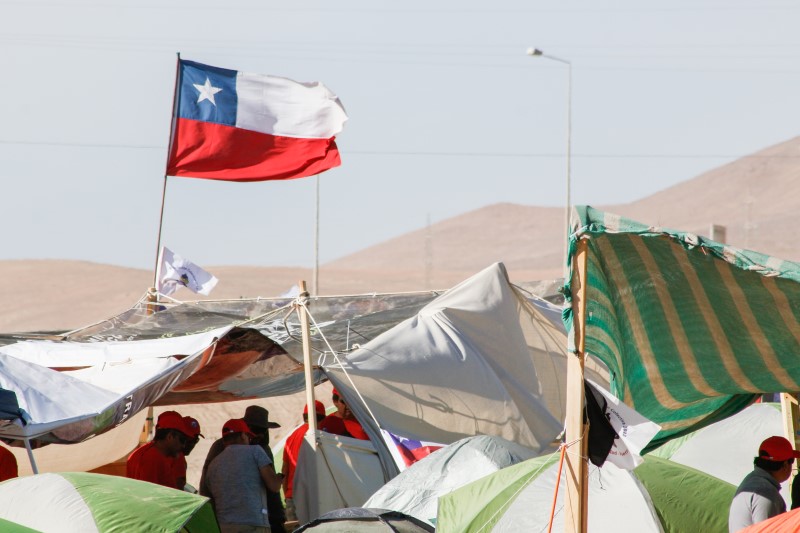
[
  {"x": 634, "y": 431},
  {"x": 178, "y": 272}
]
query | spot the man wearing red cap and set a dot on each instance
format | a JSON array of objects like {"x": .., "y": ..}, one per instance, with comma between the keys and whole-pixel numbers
[
  {"x": 155, "y": 461},
  {"x": 291, "y": 449},
  {"x": 238, "y": 478},
  {"x": 758, "y": 496},
  {"x": 180, "y": 466}
]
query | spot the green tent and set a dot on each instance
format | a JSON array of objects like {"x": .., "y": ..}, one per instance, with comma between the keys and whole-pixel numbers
[
  {"x": 86, "y": 503},
  {"x": 690, "y": 329},
  {"x": 659, "y": 495}
]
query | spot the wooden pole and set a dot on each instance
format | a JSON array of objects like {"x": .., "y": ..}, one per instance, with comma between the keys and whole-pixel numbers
[
  {"x": 790, "y": 414},
  {"x": 576, "y": 501},
  {"x": 307, "y": 366}
]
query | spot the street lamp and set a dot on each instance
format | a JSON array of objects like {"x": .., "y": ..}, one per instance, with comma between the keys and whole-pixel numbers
[{"x": 535, "y": 52}]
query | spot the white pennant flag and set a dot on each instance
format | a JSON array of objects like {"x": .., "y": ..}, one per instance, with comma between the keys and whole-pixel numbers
[
  {"x": 634, "y": 431},
  {"x": 178, "y": 272}
]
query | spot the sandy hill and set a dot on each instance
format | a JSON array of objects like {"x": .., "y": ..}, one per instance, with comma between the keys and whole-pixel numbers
[{"x": 753, "y": 197}]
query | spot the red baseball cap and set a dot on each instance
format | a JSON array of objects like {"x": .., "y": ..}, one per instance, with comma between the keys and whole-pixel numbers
[
  {"x": 777, "y": 449},
  {"x": 319, "y": 408},
  {"x": 172, "y": 420},
  {"x": 193, "y": 426},
  {"x": 236, "y": 425}
]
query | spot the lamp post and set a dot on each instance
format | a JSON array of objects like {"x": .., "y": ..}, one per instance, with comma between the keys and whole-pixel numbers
[
  {"x": 535, "y": 52},
  {"x": 577, "y": 489}
]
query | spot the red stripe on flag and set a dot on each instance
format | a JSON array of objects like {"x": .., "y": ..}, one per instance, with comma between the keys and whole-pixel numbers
[{"x": 213, "y": 151}]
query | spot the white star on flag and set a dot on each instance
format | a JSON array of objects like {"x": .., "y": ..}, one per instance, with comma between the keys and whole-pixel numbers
[{"x": 207, "y": 91}]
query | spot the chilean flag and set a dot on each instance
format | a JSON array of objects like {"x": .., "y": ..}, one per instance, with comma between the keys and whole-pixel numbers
[
  {"x": 405, "y": 451},
  {"x": 237, "y": 126}
]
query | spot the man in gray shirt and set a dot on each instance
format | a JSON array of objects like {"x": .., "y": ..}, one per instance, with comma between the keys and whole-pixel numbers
[
  {"x": 238, "y": 478},
  {"x": 758, "y": 496}
]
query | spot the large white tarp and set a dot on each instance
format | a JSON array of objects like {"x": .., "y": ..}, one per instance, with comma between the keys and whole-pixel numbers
[{"x": 118, "y": 379}]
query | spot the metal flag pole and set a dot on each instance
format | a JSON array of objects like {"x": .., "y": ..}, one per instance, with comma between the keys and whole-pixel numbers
[
  {"x": 34, "y": 468},
  {"x": 175, "y": 94},
  {"x": 315, "y": 284},
  {"x": 157, "y": 269}
]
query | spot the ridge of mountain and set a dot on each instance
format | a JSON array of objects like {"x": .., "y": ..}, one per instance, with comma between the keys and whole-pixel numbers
[{"x": 752, "y": 197}]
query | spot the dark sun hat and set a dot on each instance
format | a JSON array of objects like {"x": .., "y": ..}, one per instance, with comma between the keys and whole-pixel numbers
[{"x": 258, "y": 417}]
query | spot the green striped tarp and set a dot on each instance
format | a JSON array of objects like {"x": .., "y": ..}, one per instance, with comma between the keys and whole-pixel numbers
[{"x": 690, "y": 329}]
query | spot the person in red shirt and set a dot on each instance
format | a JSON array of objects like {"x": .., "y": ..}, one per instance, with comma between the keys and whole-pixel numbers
[
  {"x": 342, "y": 422},
  {"x": 291, "y": 449},
  {"x": 155, "y": 461},
  {"x": 8, "y": 464},
  {"x": 193, "y": 427}
]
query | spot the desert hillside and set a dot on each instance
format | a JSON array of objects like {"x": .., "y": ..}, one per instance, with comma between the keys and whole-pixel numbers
[{"x": 753, "y": 197}]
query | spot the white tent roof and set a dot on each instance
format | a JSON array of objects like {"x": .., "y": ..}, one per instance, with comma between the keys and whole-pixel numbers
[{"x": 478, "y": 360}]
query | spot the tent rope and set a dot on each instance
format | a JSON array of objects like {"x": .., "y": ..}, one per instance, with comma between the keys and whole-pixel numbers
[
  {"x": 491, "y": 519},
  {"x": 558, "y": 482},
  {"x": 339, "y": 362},
  {"x": 555, "y": 494}
]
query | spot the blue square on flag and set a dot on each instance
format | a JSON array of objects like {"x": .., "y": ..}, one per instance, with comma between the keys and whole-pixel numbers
[{"x": 208, "y": 93}]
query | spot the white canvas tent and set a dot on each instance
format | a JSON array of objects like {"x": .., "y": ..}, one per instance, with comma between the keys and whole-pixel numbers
[{"x": 479, "y": 360}]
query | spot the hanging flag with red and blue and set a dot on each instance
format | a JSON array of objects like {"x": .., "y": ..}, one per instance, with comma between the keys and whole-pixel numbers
[
  {"x": 237, "y": 126},
  {"x": 406, "y": 451}
]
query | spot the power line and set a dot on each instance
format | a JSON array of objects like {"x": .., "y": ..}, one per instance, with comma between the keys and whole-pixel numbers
[
  {"x": 415, "y": 153},
  {"x": 459, "y": 9}
]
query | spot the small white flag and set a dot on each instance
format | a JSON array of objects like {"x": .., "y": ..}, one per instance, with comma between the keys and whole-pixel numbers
[
  {"x": 178, "y": 272},
  {"x": 634, "y": 431},
  {"x": 293, "y": 292}
]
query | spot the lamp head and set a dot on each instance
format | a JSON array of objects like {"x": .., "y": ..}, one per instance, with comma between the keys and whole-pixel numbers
[{"x": 534, "y": 52}]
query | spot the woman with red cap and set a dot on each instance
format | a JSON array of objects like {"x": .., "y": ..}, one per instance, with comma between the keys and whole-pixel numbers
[{"x": 238, "y": 478}]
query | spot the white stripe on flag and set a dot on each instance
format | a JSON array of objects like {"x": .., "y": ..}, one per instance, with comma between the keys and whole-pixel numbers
[{"x": 280, "y": 106}]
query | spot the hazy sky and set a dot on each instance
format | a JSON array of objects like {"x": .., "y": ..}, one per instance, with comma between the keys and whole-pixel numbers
[{"x": 447, "y": 114}]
